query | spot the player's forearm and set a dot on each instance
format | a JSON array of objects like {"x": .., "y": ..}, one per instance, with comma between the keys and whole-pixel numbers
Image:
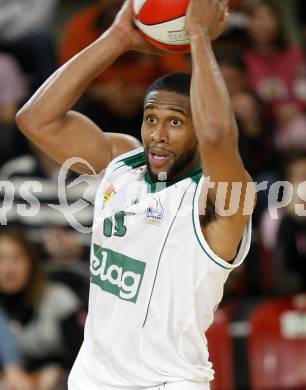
[
  {"x": 211, "y": 106},
  {"x": 61, "y": 91}
]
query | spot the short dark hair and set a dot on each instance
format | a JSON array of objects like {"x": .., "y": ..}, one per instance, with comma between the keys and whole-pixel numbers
[{"x": 172, "y": 82}]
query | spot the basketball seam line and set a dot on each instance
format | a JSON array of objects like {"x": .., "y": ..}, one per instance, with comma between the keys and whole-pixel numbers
[
  {"x": 140, "y": 9},
  {"x": 173, "y": 45},
  {"x": 164, "y": 21}
]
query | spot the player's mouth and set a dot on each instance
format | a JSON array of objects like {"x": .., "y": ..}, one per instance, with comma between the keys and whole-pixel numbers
[{"x": 159, "y": 158}]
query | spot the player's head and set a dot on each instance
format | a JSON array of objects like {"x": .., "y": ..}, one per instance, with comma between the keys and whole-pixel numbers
[{"x": 167, "y": 131}]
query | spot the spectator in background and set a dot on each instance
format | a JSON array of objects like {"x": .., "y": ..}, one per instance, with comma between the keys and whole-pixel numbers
[
  {"x": 277, "y": 70},
  {"x": 13, "y": 91},
  {"x": 65, "y": 261},
  {"x": 13, "y": 376},
  {"x": 292, "y": 135},
  {"x": 24, "y": 34},
  {"x": 290, "y": 249},
  {"x": 126, "y": 80},
  {"x": 43, "y": 315}
]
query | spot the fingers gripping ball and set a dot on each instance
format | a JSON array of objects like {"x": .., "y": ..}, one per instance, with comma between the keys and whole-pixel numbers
[{"x": 162, "y": 22}]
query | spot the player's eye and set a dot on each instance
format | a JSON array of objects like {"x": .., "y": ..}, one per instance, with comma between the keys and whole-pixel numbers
[
  {"x": 175, "y": 122},
  {"x": 151, "y": 120}
]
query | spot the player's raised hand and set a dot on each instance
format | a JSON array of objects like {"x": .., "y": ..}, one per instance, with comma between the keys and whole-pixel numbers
[
  {"x": 207, "y": 16},
  {"x": 123, "y": 24}
]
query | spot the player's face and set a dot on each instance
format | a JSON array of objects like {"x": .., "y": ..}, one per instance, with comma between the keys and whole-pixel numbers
[{"x": 168, "y": 135}]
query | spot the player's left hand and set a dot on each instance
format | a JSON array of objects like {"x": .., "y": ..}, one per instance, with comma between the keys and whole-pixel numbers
[{"x": 209, "y": 16}]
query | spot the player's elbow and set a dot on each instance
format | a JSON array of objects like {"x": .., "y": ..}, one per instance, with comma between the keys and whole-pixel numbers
[
  {"x": 218, "y": 133},
  {"x": 25, "y": 121}
]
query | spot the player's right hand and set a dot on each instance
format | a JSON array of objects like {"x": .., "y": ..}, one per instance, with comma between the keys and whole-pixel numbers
[
  {"x": 209, "y": 16},
  {"x": 123, "y": 25}
]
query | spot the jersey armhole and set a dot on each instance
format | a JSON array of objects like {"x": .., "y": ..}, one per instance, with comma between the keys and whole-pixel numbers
[{"x": 244, "y": 244}]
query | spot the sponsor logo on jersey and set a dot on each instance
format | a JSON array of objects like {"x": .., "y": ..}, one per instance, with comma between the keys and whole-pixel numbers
[
  {"x": 116, "y": 273},
  {"x": 109, "y": 193},
  {"x": 155, "y": 212}
]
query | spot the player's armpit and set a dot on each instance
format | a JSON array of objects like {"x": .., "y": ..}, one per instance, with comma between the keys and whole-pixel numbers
[
  {"x": 224, "y": 236},
  {"x": 122, "y": 143}
]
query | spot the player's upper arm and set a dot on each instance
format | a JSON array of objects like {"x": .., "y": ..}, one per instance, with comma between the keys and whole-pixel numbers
[
  {"x": 122, "y": 143},
  {"x": 233, "y": 196},
  {"x": 76, "y": 136}
]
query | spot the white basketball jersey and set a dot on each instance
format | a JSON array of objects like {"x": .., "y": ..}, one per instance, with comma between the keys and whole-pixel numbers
[{"x": 155, "y": 283}]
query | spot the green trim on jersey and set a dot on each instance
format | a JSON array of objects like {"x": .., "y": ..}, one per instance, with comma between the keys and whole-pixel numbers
[
  {"x": 161, "y": 252},
  {"x": 139, "y": 160},
  {"x": 197, "y": 234},
  {"x": 135, "y": 161},
  {"x": 153, "y": 186}
]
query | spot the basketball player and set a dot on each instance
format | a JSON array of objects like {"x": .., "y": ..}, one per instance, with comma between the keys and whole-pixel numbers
[{"x": 157, "y": 266}]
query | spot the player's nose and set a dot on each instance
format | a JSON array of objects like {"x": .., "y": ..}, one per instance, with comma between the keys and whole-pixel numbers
[{"x": 160, "y": 134}]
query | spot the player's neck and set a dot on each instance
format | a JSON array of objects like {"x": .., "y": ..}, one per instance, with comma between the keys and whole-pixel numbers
[{"x": 188, "y": 168}]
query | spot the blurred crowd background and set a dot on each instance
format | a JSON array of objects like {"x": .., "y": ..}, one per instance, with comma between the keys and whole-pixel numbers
[{"x": 44, "y": 262}]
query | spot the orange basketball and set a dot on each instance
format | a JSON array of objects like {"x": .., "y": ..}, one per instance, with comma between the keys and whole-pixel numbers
[{"x": 162, "y": 22}]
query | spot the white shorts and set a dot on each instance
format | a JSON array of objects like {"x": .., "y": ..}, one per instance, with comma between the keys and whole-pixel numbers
[
  {"x": 166, "y": 386},
  {"x": 182, "y": 386}
]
